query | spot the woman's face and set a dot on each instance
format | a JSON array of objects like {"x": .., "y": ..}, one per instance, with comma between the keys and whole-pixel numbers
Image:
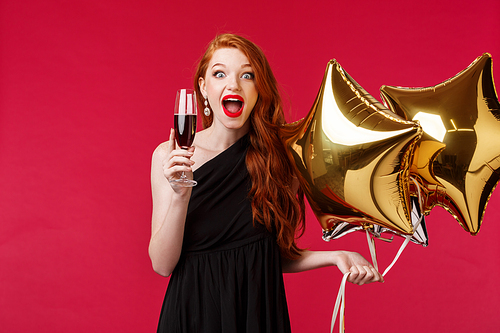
[{"x": 230, "y": 87}]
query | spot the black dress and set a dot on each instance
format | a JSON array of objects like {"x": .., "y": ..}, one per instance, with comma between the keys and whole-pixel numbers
[{"x": 229, "y": 277}]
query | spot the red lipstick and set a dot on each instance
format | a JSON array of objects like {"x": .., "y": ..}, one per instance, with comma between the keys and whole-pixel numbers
[{"x": 233, "y": 105}]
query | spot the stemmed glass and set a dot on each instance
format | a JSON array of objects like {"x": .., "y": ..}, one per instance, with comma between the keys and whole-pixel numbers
[{"x": 185, "y": 127}]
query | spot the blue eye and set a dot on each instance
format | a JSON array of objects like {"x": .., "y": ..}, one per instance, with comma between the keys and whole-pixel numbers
[
  {"x": 219, "y": 74},
  {"x": 248, "y": 76}
]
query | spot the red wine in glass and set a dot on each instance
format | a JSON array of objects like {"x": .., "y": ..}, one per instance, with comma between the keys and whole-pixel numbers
[{"x": 185, "y": 127}]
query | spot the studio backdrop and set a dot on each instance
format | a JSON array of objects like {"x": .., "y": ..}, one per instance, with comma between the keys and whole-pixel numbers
[{"x": 87, "y": 91}]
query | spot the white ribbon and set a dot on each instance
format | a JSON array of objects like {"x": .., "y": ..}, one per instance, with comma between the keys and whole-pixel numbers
[
  {"x": 371, "y": 245},
  {"x": 340, "y": 302}
]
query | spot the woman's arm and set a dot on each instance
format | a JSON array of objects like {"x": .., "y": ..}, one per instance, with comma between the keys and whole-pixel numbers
[
  {"x": 169, "y": 205},
  {"x": 362, "y": 272}
]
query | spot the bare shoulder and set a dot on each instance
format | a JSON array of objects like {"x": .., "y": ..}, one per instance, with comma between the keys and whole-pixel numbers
[
  {"x": 162, "y": 147},
  {"x": 161, "y": 150},
  {"x": 160, "y": 154}
]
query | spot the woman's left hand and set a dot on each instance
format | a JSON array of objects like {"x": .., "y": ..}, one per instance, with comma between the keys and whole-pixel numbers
[{"x": 361, "y": 271}]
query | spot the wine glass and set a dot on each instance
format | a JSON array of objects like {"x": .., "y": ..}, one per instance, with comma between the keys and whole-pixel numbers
[{"x": 185, "y": 127}]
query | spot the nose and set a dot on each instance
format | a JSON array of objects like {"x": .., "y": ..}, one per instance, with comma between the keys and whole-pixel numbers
[{"x": 234, "y": 84}]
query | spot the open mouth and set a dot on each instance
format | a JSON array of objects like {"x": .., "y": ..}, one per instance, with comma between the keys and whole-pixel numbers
[{"x": 233, "y": 105}]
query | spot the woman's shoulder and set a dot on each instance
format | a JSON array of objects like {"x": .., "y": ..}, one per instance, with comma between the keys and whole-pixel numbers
[{"x": 161, "y": 150}]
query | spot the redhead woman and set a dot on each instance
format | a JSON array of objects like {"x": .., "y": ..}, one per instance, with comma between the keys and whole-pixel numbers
[{"x": 226, "y": 242}]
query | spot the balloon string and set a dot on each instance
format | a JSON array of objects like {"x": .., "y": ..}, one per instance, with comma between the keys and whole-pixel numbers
[
  {"x": 407, "y": 237},
  {"x": 340, "y": 302},
  {"x": 407, "y": 240},
  {"x": 420, "y": 196},
  {"x": 371, "y": 245},
  {"x": 373, "y": 253}
]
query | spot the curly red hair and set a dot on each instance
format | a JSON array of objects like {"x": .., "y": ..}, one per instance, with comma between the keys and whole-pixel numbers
[{"x": 275, "y": 204}]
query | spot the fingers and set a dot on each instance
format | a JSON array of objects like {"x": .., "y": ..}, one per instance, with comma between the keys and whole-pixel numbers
[
  {"x": 178, "y": 161},
  {"x": 378, "y": 276},
  {"x": 361, "y": 271},
  {"x": 171, "y": 140},
  {"x": 364, "y": 274}
]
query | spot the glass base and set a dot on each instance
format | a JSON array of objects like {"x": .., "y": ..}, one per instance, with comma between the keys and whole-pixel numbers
[{"x": 183, "y": 182}]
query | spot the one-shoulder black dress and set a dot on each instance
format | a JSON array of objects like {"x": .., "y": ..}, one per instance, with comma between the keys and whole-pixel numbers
[{"x": 229, "y": 276}]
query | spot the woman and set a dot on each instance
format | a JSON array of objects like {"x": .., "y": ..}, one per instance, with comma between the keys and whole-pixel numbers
[{"x": 227, "y": 241}]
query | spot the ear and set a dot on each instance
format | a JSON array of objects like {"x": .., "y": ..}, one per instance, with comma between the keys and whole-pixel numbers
[{"x": 201, "y": 84}]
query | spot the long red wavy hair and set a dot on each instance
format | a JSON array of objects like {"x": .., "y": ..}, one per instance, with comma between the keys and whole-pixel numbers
[{"x": 275, "y": 203}]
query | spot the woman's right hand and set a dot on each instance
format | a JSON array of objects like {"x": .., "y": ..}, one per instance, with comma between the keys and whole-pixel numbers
[
  {"x": 175, "y": 161},
  {"x": 170, "y": 205}
]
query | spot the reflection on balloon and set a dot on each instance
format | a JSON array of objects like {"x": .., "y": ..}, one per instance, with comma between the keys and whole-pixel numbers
[
  {"x": 457, "y": 160},
  {"x": 418, "y": 221},
  {"x": 352, "y": 157},
  {"x": 419, "y": 236}
]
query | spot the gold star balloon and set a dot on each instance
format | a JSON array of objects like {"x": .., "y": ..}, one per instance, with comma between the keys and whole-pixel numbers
[
  {"x": 417, "y": 219},
  {"x": 352, "y": 157},
  {"x": 457, "y": 161}
]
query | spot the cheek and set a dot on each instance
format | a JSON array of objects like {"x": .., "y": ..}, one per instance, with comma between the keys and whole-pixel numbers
[
  {"x": 252, "y": 95},
  {"x": 255, "y": 97},
  {"x": 212, "y": 96}
]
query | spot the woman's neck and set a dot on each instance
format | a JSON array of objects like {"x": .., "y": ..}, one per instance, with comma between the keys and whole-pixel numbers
[{"x": 215, "y": 138}]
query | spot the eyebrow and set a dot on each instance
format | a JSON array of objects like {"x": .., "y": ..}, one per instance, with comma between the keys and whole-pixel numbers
[{"x": 221, "y": 64}]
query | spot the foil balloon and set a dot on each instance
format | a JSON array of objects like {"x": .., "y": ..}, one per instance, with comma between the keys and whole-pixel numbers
[
  {"x": 457, "y": 161},
  {"x": 340, "y": 229},
  {"x": 352, "y": 157},
  {"x": 418, "y": 221},
  {"x": 419, "y": 235}
]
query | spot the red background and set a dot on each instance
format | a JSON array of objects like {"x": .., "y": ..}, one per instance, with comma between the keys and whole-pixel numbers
[{"x": 86, "y": 93}]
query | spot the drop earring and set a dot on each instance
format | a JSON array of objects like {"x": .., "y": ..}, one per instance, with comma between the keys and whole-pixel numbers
[{"x": 206, "y": 111}]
